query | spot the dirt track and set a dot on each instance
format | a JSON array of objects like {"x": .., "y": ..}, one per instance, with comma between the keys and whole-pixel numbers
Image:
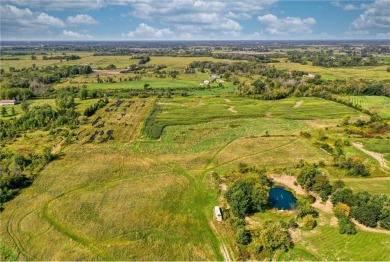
[
  {"x": 377, "y": 156},
  {"x": 224, "y": 249}
]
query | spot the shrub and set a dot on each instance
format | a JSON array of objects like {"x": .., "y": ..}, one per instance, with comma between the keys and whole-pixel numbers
[
  {"x": 346, "y": 226},
  {"x": 309, "y": 222},
  {"x": 243, "y": 236}
]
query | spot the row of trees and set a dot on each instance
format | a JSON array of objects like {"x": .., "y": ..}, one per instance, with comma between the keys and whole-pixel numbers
[{"x": 366, "y": 208}]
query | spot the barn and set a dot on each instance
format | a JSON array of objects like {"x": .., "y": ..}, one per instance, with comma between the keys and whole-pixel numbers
[{"x": 7, "y": 102}]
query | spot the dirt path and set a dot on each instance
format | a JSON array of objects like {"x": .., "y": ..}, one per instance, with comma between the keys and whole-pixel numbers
[
  {"x": 369, "y": 229},
  {"x": 223, "y": 247},
  {"x": 231, "y": 109},
  {"x": 298, "y": 104},
  {"x": 377, "y": 156},
  {"x": 227, "y": 100}
]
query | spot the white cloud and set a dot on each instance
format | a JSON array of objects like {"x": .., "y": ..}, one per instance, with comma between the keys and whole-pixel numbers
[
  {"x": 287, "y": 25},
  {"x": 81, "y": 19},
  {"x": 72, "y": 34},
  {"x": 230, "y": 24},
  {"x": 350, "y": 7},
  {"x": 144, "y": 31},
  {"x": 383, "y": 35},
  {"x": 16, "y": 20},
  {"x": 376, "y": 17}
]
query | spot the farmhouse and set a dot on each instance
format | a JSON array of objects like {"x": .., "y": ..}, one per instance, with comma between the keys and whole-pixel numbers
[
  {"x": 214, "y": 76},
  {"x": 217, "y": 213},
  {"x": 7, "y": 102}
]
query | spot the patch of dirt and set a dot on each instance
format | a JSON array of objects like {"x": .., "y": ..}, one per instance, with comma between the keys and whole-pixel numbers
[
  {"x": 200, "y": 103},
  {"x": 295, "y": 234},
  {"x": 377, "y": 156},
  {"x": 333, "y": 222},
  {"x": 289, "y": 182},
  {"x": 298, "y": 104},
  {"x": 325, "y": 207},
  {"x": 227, "y": 100},
  {"x": 268, "y": 115},
  {"x": 164, "y": 103},
  {"x": 231, "y": 109},
  {"x": 223, "y": 187}
]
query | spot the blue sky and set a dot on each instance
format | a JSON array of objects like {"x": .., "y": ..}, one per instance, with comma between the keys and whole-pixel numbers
[{"x": 193, "y": 19}]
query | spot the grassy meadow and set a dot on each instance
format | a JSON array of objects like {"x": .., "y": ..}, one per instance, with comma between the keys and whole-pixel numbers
[{"x": 136, "y": 181}]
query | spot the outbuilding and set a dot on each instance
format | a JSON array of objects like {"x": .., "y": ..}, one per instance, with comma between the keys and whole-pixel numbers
[
  {"x": 218, "y": 213},
  {"x": 7, "y": 102}
]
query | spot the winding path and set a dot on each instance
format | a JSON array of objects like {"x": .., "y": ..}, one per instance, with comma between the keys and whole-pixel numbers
[{"x": 377, "y": 156}]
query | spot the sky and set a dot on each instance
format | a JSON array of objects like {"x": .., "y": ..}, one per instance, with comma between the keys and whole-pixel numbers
[{"x": 194, "y": 19}]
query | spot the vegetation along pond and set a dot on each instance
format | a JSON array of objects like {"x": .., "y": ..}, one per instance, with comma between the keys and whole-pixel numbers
[{"x": 281, "y": 198}]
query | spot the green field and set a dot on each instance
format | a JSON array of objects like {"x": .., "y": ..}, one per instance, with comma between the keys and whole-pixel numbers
[
  {"x": 148, "y": 194},
  {"x": 376, "y": 104},
  {"x": 175, "y": 112},
  {"x": 365, "y": 72}
]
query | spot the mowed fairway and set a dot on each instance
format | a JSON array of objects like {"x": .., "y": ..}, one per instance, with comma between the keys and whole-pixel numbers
[{"x": 130, "y": 197}]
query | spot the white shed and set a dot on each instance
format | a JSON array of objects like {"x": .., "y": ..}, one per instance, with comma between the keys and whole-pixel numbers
[{"x": 218, "y": 213}]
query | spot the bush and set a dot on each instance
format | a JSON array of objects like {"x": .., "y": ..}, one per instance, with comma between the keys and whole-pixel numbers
[
  {"x": 342, "y": 210},
  {"x": 346, "y": 226},
  {"x": 243, "y": 236},
  {"x": 309, "y": 222}
]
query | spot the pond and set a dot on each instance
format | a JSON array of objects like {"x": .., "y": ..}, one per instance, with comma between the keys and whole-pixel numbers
[{"x": 281, "y": 198}]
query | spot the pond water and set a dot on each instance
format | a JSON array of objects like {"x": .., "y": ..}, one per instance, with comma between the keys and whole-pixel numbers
[{"x": 281, "y": 198}]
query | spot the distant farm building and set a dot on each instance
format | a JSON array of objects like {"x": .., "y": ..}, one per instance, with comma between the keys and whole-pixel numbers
[
  {"x": 214, "y": 76},
  {"x": 7, "y": 102},
  {"x": 309, "y": 76},
  {"x": 218, "y": 213},
  {"x": 206, "y": 82}
]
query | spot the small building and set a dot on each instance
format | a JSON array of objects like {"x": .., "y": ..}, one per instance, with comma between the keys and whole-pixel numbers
[
  {"x": 309, "y": 76},
  {"x": 214, "y": 76},
  {"x": 7, "y": 102},
  {"x": 206, "y": 82},
  {"x": 218, "y": 213}
]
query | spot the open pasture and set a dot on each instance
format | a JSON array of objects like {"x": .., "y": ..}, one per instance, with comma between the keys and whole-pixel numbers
[{"x": 100, "y": 202}]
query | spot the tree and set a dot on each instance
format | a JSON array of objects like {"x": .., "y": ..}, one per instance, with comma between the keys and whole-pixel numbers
[
  {"x": 25, "y": 105},
  {"x": 341, "y": 210},
  {"x": 248, "y": 195},
  {"x": 273, "y": 236},
  {"x": 243, "y": 236},
  {"x": 309, "y": 222},
  {"x": 83, "y": 93},
  {"x": 13, "y": 110},
  {"x": 304, "y": 208},
  {"x": 346, "y": 226},
  {"x": 239, "y": 196},
  {"x": 3, "y": 111}
]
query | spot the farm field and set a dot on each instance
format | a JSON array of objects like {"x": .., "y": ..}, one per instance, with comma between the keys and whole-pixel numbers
[
  {"x": 125, "y": 195},
  {"x": 365, "y": 72},
  {"x": 130, "y": 166},
  {"x": 377, "y": 104}
]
